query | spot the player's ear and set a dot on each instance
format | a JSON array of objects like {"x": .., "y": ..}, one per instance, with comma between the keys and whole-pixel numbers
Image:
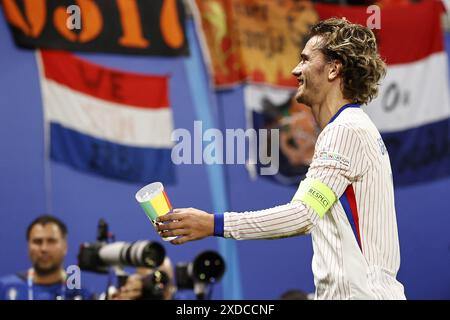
[{"x": 334, "y": 70}]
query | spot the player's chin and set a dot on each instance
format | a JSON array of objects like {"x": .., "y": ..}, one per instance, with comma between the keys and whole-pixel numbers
[
  {"x": 302, "y": 98},
  {"x": 299, "y": 96}
]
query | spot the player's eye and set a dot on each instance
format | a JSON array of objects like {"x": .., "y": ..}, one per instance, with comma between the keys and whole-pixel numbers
[{"x": 303, "y": 58}]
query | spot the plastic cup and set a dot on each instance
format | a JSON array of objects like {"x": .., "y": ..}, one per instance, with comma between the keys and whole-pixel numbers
[{"x": 153, "y": 199}]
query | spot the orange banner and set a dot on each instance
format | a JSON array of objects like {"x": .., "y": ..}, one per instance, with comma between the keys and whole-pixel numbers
[
  {"x": 123, "y": 26},
  {"x": 257, "y": 41}
]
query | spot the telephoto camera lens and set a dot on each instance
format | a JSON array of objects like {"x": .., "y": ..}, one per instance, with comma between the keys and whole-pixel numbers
[
  {"x": 97, "y": 257},
  {"x": 207, "y": 267},
  {"x": 137, "y": 254}
]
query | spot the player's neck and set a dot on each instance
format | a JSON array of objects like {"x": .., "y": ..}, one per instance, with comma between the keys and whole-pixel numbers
[
  {"x": 328, "y": 108},
  {"x": 50, "y": 278}
]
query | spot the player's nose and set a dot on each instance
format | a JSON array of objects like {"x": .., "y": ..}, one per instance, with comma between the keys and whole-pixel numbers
[{"x": 296, "y": 72}]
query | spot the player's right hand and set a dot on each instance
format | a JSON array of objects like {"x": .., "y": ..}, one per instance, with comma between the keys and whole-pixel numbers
[{"x": 187, "y": 224}]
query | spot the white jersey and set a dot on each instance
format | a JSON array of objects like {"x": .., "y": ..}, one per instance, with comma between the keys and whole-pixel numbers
[{"x": 356, "y": 247}]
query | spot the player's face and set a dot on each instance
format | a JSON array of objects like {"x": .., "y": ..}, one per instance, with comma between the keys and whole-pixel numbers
[
  {"x": 46, "y": 248},
  {"x": 311, "y": 74}
]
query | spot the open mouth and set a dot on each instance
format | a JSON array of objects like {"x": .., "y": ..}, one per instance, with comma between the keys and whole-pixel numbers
[{"x": 300, "y": 82}]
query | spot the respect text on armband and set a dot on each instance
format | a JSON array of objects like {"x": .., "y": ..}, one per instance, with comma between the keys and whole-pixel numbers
[{"x": 319, "y": 197}]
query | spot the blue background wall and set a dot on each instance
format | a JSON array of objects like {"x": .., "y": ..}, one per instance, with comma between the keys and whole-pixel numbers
[{"x": 30, "y": 185}]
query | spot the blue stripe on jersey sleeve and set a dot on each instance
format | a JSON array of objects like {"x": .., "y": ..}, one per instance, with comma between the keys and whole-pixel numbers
[{"x": 218, "y": 224}]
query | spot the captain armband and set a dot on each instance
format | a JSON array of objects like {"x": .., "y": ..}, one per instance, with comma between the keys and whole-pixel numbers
[{"x": 316, "y": 195}]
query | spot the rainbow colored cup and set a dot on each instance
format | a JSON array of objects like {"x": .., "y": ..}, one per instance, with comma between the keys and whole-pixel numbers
[{"x": 153, "y": 199}]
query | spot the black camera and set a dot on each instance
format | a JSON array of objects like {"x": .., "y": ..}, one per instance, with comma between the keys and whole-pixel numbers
[
  {"x": 154, "y": 285},
  {"x": 98, "y": 256},
  {"x": 207, "y": 268}
]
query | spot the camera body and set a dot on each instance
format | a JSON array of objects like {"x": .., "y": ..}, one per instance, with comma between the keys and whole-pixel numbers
[
  {"x": 155, "y": 285},
  {"x": 107, "y": 254},
  {"x": 207, "y": 268}
]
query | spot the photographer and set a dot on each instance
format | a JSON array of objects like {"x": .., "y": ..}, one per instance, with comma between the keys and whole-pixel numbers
[
  {"x": 149, "y": 284},
  {"x": 46, "y": 280}
]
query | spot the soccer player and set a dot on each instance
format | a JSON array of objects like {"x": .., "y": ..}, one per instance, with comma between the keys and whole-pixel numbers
[{"x": 346, "y": 201}]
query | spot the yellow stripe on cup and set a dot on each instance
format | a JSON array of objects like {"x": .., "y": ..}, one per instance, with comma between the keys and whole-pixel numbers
[
  {"x": 157, "y": 206},
  {"x": 161, "y": 204}
]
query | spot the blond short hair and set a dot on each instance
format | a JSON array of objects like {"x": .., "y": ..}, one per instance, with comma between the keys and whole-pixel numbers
[{"x": 355, "y": 47}]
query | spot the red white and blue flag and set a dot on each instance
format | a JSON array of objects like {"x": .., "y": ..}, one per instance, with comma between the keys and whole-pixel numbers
[{"x": 108, "y": 122}]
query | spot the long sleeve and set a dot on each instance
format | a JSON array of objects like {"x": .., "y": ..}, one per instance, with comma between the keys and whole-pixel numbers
[
  {"x": 338, "y": 160},
  {"x": 278, "y": 222}
]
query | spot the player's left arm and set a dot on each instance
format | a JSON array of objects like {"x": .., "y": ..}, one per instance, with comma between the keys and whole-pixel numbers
[{"x": 339, "y": 160}]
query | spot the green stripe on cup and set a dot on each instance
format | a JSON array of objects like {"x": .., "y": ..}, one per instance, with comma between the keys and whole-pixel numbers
[{"x": 149, "y": 210}]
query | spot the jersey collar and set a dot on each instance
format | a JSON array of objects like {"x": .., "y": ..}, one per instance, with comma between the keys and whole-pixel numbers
[{"x": 348, "y": 105}]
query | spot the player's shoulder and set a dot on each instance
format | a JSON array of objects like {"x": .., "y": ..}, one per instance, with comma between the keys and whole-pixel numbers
[
  {"x": 351, "y": 121},
  {"x": 353, "y": 117},
  {"x": 341, "y": 129},
  {"x": 350, "y": 128}
]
